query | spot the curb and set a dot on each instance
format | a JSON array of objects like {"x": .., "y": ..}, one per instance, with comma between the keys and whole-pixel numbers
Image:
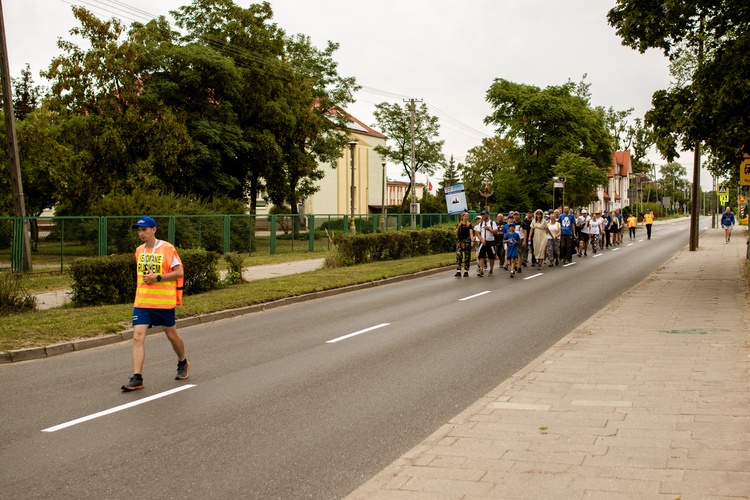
[{"x": 32, "y": 353}]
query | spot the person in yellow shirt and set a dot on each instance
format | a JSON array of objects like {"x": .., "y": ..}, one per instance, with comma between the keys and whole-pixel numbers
[
  {"x": 158, "y": 292},
  {"x": 632, "y": 223},
  {"x": 648, "y": 219}
]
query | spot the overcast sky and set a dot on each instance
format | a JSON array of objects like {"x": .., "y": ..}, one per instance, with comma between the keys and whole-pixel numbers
[{"x": 445, "y": 52}]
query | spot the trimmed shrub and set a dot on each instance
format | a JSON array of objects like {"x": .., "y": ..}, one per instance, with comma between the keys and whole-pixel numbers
[
  {"x": 365, "y": 248},
  {"x": 112, "y": 279},
  {"x": 103, "y": 280}
]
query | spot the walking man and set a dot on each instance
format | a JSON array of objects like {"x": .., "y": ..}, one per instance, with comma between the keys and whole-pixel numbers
[
  {"x": 158, "y": 292},
  {"x": 727, "y": 223},
  {"x": 487, "y": 232},
  {"x": 568, "y": 233}
]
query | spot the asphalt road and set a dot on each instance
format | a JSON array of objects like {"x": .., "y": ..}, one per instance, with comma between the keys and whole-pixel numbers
[{"x": 288, "y": 403}]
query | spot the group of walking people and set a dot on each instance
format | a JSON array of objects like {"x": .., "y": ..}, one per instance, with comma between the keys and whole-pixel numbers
[{"x": 542, "y": 238}]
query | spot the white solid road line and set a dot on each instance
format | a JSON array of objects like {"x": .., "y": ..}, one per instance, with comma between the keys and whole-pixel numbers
[
  {"x": 474, "y": 296},
  {"x": 360, "y": 332},
  {"x": 117, "y": 408}
]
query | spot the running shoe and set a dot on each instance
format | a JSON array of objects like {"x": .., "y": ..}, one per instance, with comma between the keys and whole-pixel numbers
[
  {"x": 183, "y": 367},
  {"x": 466, "y": 275},
  {"x": 458, "y": 274},
  {"x": 135, "y": 383}
]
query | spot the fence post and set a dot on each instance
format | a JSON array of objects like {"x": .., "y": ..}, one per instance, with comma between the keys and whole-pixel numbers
[
  {"x": 103, "y": 221},
  {"x": 251, "y": 233},
  {"x": 311, "y": 231},
  {"x": 227, "y": 231},
  {"x": 171, "y": 231},
  {"x": 273, "y": 235},
  {"x": 17, "y": 245}
]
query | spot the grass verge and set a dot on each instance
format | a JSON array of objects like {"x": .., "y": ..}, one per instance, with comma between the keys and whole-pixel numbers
[{"x": 69, "y": 323}]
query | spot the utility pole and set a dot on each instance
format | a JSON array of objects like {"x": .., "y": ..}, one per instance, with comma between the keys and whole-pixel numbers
[
  {"x": 413, "y": 209},
  {"x": 19, "y": 205}
]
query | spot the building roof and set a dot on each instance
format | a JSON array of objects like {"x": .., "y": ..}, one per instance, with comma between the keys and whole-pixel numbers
[
  {"x": 356, "y": 125},
  {"x": 621, "y": 159}
]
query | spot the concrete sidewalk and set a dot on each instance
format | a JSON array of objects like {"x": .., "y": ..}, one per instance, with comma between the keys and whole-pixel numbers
[{"x": 650, "y": 398}]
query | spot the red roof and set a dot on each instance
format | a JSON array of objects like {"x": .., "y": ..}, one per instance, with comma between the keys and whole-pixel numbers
[{"x": 621, "y": 159}]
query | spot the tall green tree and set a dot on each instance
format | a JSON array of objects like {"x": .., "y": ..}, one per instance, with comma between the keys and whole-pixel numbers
[
  {"x": 291, "y": 97},
  {"x": 629, "y": 135},
  {"x": 394, "y": 121},
  {"x": 545, "y": 123},
  {"x": 97, "y": 92},
  {"x": 26, "y": 96},
  {"x": 582, "y": 176},
  {"x": 481, "y": 171},
  {"x": 708, "y": 43}
]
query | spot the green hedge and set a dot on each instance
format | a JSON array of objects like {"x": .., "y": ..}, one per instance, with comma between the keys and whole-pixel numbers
[
  {"x": 112, "y": 279},
  {"x": 394, "y": 245}
]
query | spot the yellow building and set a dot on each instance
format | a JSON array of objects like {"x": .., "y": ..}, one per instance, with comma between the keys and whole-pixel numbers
[{"x": 333, "y": 197}]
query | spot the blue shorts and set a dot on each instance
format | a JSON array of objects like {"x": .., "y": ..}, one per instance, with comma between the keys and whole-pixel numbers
[{"x": 154, "y": 317}]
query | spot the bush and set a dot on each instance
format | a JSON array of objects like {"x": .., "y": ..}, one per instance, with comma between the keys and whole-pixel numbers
[
  {"x": 13, "y": 296},
  {"x": 112, "y": 279},
  {"x": 103, "y": 280},
  {"x": 396, "y": 245},
  {"x": 363, "y": 226},
  {"x": 235, "y": 263}
]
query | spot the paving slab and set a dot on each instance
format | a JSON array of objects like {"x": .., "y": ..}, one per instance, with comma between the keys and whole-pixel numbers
[{"x": 651, "y": 406}]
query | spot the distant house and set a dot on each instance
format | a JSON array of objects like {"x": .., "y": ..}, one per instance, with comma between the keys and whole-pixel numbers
[
  {"x": 615, "y": 194},
  {"x": 395, "y": 191},
  {"x": 333, "y": 197}
]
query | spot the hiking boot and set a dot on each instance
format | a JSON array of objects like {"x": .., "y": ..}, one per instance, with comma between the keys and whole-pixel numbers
[
  {"x": 458, "y": 274},
  {"x": 135, "y": 383},
  {"x": 490, "y": 273},
  {"x": 183, "y": 367},
  {"x": 466, "y": 275}
]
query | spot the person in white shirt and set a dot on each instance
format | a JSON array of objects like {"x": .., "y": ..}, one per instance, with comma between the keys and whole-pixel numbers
[
  {"x": 487, "y": 232},
  {"x": 596, "y": 228},
  {"x": 583, "y": 233}
]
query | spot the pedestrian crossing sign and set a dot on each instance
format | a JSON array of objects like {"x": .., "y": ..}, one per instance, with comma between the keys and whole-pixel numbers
[{"x": 721, "y": 189}]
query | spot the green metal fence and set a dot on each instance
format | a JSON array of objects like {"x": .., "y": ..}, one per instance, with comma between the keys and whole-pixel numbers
[{"x": 57, "y": 241}]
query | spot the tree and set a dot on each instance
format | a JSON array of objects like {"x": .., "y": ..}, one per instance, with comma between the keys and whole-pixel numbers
[
  {"x": 708, "y": 43},
  {"x": 98, "y": 95},
  {"x": 634, "y": 137},
  {"x": 450, "y": 174},
  {"x": 482, "y": 168},
  {"x": 545, "y": 123},
  {"x": 674, "y": 181},
  {"x": 26, "y": 96},
  {"x": 582, "y": 177},
  {"x": 395, "y": 122},
  {"x": 291, "y": 97}
]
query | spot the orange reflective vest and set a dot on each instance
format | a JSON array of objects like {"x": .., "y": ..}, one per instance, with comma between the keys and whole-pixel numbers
[
  {"x": 159, "y": 260},
  {"x": 648, "y": 219},
  {"x": 632, "y": 221}
]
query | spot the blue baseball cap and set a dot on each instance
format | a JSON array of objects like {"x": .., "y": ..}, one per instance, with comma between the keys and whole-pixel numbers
[
  {"x": 485, "y": 212},
  {"x": 144, "y": 222}
]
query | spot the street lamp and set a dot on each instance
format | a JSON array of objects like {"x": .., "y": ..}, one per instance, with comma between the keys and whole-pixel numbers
[
  {"x": 382, "y": 204},
  {"x": 352, "y": 229}
]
